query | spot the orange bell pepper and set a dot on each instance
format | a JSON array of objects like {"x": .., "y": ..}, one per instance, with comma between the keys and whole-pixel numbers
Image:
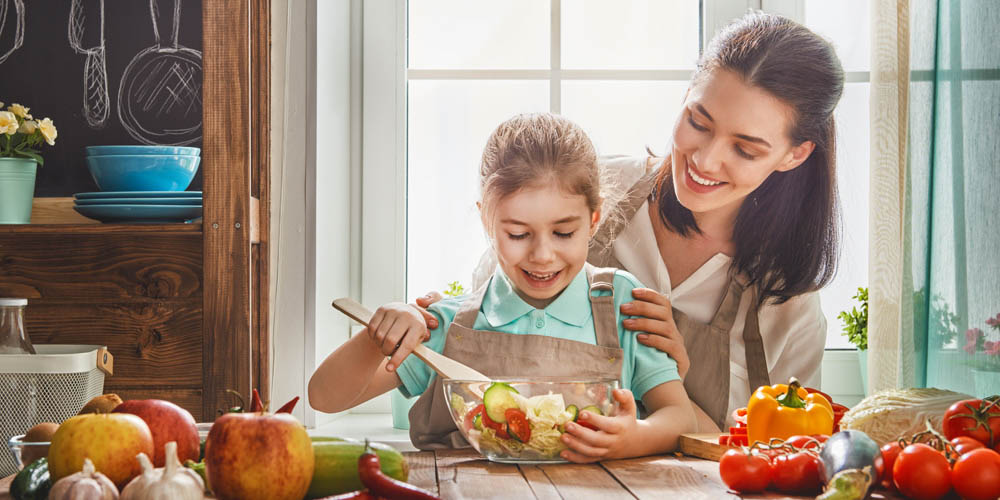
[{"x": 785, "y": 410}]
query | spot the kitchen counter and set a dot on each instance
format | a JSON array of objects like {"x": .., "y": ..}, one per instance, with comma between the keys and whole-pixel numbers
[{"x": 464, "y": 474}]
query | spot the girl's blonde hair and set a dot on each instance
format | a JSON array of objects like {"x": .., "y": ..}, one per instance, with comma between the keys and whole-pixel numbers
[{"x": 538, "y": 149}]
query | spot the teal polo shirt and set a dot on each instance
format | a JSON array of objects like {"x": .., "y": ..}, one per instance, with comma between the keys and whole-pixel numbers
[{"x": 567, "y": 317}]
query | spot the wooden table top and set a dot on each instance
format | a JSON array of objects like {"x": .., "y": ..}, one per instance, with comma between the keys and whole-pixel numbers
[{"x": 464, "y": 474}]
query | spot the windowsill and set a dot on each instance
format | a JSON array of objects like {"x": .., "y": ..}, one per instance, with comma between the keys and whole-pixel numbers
[{"x": 373, "y": 426}]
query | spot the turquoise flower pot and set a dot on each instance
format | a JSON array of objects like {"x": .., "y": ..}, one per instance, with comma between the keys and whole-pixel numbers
[{"x": 17, "y": 189}]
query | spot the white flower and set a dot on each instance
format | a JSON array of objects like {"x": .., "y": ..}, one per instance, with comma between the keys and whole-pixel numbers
[
  {"x": 48, "y": 131},
  {"x": 20, "y": 111},
  {"x": 8, "y": 123}
]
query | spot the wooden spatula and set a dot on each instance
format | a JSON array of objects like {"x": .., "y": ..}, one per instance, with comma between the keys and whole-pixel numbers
[{"x": 444, "y": 366}]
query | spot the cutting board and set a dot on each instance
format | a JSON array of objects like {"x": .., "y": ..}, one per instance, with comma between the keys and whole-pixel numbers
[{"x": 702, "y": 446}]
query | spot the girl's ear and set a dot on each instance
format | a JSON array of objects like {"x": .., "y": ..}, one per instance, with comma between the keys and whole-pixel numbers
[
  {"x": 797, "y": 155},
  {"x": 595, "y": 218}
]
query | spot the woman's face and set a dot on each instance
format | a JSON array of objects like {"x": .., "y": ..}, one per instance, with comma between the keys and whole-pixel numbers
[
  {"x": 729, "y": 137},
  {"x": 541, "y": 235}
]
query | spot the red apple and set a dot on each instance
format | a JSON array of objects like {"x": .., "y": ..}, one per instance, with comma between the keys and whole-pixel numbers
[
  {"x": 259, "y": 456},
  {"x": 168, "y": 422},
  {"x": 110, "y": 440}
]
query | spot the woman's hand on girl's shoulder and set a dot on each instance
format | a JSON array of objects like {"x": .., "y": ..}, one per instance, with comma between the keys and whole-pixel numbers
[
  {"x": 655, "y": 325},
  {"x": 396, "y": 329},
  {"x": 612, "y": 437}
]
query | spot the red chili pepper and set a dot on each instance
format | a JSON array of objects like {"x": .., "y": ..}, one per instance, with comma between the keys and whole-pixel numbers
[
  {"x": 379, "y": 484},
  {"x": 287, "y": 407},
  {"x": 256, "y": 405}
]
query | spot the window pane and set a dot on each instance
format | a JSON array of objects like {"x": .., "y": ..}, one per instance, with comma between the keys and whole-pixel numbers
[
  {"x": 624, "y": 117},
  {"x": 629, "y": 34},
  {"x": 852, "y": 182},
  {"x": 845, "y": 24},
  {"x": 479, "y": 34},
  {"x": 448, "y": 124}
]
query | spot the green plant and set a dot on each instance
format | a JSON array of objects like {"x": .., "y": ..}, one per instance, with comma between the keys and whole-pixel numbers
[
  {"x": 454, "y": 289},
  {"x": 856, "y": 322},
  {"x": 21, "y": 134}
]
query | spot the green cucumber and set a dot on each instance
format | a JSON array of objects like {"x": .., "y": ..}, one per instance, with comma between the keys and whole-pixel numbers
[
  {"x": 592, "y": 409},
  {"x": 33, "y": 482},
  {"x": 497, "y": 399},
  {"x": 336, "y": 469},
  {"x": 573, "y": 410},
  {"x": 477, "y": 421}
]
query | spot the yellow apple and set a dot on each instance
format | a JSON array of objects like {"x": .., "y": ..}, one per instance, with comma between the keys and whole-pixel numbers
[
  {"x": 253, "y": 456},
  {"x": 110, "y": 440}
]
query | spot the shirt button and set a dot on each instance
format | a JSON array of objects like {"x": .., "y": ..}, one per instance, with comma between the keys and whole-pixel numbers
[{"x": 540, "y": 323}]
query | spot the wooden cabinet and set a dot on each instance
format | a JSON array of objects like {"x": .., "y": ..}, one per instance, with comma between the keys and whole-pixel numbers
[{"x": 183, "y": 307}]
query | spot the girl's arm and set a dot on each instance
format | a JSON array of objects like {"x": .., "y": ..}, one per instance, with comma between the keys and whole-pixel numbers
[
  {"x": 351, "y": 375},
  {"x": 624, "y": 436}
]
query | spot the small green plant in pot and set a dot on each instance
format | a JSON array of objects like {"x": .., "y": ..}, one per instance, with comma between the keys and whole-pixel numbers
[
  {"x": 20, "y": 137},
  {"x": 856, "y": 331}
]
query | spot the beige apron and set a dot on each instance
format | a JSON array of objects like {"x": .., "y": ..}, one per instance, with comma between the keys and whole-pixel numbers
[
  {"x": 707, "y": 380},
  {"x": 499, "y": 355}
]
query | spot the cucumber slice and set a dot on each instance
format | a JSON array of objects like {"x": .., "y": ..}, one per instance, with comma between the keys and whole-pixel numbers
[
  {"x": 497, "y": 399},
  {"x": 593, "y": 409},
  {"x": 477, "y": 421},
  {"x": 573, "y": 410}
]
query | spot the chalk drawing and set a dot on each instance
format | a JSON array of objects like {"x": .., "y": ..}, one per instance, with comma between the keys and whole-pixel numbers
[
  {"x": 96, "y": 103},
  {"x": 17, "y": 21}
]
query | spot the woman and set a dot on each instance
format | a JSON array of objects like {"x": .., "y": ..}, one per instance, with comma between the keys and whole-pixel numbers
[{"x": 737, "y": 225}]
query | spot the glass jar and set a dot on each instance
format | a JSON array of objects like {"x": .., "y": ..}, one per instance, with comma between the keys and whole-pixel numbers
[{"x": 13, "y": 337}]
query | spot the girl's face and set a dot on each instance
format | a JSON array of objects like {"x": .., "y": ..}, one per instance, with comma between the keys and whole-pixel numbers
[
  {"x": 728, "y": 138},
  {"x": 541, "y": 235}
]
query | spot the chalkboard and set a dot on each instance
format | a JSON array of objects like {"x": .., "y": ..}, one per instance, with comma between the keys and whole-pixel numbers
[{"x": 106, "y": 72}]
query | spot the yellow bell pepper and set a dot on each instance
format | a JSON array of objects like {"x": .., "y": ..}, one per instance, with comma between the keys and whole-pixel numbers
[{"x": 785, "y": 410}]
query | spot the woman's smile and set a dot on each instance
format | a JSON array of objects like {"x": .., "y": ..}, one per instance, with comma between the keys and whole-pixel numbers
[{"x": 699, "y": 183}]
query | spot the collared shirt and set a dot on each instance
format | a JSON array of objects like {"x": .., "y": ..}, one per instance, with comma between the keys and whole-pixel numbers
[
  {"x": 794, "y": 333},
  {"x": 567, "y": 317}
]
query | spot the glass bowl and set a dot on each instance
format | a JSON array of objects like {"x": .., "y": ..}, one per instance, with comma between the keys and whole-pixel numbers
[
  {"x": 529, "y": 415},
  {"x": 24, "y": 452}
]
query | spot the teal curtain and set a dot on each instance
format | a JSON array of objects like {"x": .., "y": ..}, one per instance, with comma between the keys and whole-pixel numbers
[{"x": 952, "y": 208}]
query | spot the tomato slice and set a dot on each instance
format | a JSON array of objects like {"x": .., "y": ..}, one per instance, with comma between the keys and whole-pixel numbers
[
  {"x": 496, "y": 426},
  {"x": 470, "y": 418},
  {"x": 517, "y": 425}
]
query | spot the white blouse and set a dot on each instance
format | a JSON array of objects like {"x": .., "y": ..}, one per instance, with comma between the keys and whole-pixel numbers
[{"x": 794, "y": 333}]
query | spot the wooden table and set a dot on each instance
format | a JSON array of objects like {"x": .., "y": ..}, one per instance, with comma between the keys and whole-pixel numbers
[{"x": 464, "y": 474}]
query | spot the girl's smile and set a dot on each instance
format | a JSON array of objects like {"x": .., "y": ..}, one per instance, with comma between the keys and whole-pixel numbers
[{"x": 541, "y": 235}]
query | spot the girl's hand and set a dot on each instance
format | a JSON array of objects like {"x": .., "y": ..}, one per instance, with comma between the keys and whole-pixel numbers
[
  {"x": 397, "y": 328},
  {"x": 656, "y": 325},
  {"x": 423, "y": 303},
  {"x": 611, "y": 440}
]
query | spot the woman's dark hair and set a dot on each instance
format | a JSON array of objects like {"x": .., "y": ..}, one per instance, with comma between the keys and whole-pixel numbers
[{"x": 787, "y": 230}]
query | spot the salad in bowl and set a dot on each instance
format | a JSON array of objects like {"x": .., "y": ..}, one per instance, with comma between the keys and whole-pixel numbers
[{"x": 521, "y": 421}]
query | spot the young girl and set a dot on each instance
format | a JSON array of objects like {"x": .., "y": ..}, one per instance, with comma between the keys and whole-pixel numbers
[{"x": 545, "y": 312}]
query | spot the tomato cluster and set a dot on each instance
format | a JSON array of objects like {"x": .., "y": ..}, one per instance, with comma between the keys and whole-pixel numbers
[{"x": 792, "y": 466}]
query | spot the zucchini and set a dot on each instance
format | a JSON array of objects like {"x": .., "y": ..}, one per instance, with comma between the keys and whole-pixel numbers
[
  {"x": 33, "y": 482},
  {"x": 497, "y": 399},
  {"x": 336, "y": 469}
]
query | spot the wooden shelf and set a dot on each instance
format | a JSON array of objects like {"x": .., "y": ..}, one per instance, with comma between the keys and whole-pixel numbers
[{"x": 173, "y": 227}]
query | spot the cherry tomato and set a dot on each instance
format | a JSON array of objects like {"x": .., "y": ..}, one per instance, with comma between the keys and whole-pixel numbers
[
  {"x": 976, "y": 475},
  {"x": 806, "y": 442},
  {"x": 800, "y": 472},
  {"x": 744, "y": 472},
  {"x": 889, "y": 453},
  {"x": 470, "y": 418},
  {"x": 965, "y": 444},
  {"x": 517, "y": 425},
  {"x": 975, "y": 418},
  {"x": 921, "y": 473}
]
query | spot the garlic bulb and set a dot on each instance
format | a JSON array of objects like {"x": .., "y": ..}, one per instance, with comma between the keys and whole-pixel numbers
[
  {"x": 173, "y": 481},
  {"x": 87, "y": 484}
]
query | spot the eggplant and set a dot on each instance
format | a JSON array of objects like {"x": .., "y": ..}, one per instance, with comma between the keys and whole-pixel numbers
[{"x": 852, "y": 463}]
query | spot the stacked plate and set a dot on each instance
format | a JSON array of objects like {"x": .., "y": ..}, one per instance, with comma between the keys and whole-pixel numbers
[{"x": 139, "y": 206}]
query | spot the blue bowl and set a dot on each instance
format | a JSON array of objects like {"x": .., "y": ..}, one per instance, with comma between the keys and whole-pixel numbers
[
  {"x": 141, "y": 150},
  {"x": 143, "y": 172}
]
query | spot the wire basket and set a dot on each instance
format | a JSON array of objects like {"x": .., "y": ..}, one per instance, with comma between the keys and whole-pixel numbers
[{"x": 49, "y": 386}]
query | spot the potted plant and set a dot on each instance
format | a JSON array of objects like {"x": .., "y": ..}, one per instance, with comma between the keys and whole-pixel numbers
[
  {"x": 20, "y": 136},
  {"x": 856, "y": 331},
  {"x": 984, "y": 348}
]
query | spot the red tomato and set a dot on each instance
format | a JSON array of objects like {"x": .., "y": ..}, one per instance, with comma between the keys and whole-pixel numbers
[
  {"x": 744, "y": 472},
  {"x": 800, "y": 472},
  {"x": 889, "y": 453},
  {"x": 500, "y": 429},
  {"x": 740, "y": 417},
  {"x": 965, "y": 444},
  {"x": 517, "y": 425},
  {"x": 815, "y": 441},
  {"x": 921, "y": 473},
  {"x": 975, "y": 418},
  {"x": 469, "y": 421},
  {"x": 976, "y": 475}
]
